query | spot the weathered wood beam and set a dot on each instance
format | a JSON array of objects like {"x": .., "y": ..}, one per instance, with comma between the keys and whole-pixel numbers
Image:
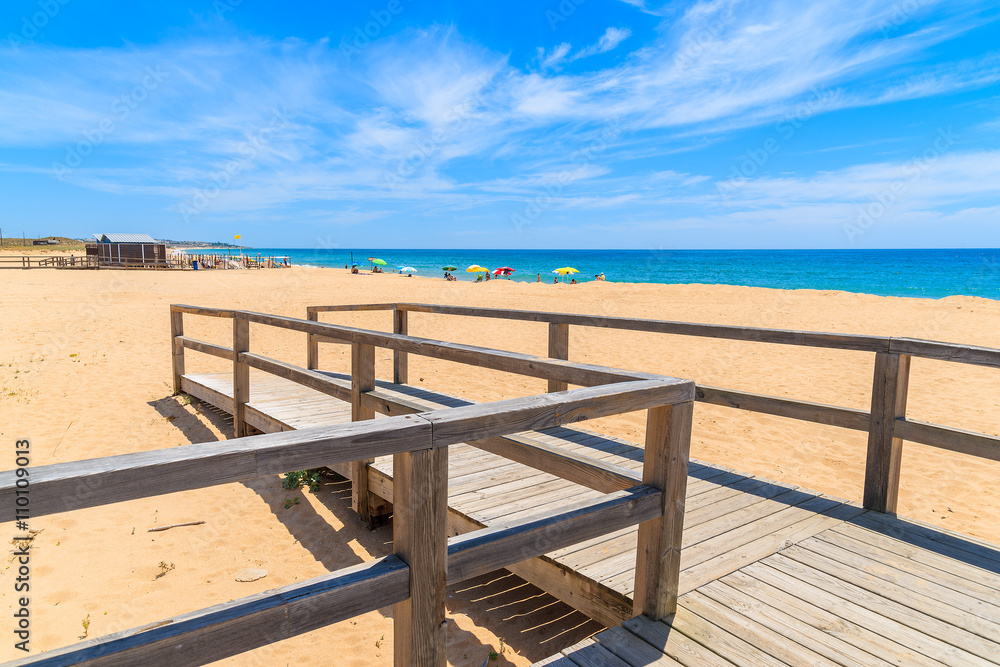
[
  {"x": 241, "y": 375},
  {"x": 558, "y": 349},
  {"x": 205, "y": 348},
  {"x": 818, "y": 413},
  {"x": 241, "y": 625},
  {"x": 665, "y": 467},
  {"x": 420, "y": 539},
  {"x": 502, "y": 545},
  {"x": 176, "y": 349},
  {"x": 885, "y": 448}
]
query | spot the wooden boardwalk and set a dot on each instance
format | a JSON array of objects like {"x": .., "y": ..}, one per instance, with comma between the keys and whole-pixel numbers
[
  {"x": 876, "y": 590},
  {"x": 731, "y": 519}
]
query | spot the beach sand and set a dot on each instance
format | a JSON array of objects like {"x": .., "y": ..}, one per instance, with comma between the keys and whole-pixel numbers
[{"x": 85, "y": 372}]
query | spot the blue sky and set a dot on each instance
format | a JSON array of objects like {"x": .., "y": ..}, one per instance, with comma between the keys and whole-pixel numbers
[{"x": 578, "y": 124}]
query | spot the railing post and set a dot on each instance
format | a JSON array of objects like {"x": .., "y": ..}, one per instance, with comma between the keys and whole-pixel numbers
[
  {"x": 892, "y": 379},
  {"x": 312, "y": 343},
  {"x": 558, "y": 349},
  {"x": 176, "y": 348},
  {"x": 420, "y": 539},
  {"x": 665, "y": 466},
  {"x": 362, "y": 380},
  {"x": 400, "y": 325},
  {"x": 241, "y": 374}
]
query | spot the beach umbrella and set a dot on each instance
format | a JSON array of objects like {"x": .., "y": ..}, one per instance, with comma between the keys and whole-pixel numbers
[
  {"x": 449, "y": 268},
  {"x": 504, "y": 270},
  {"x": 565, "y": 270},
  {"x": 408, "y": 269},
  {"x": 475, "y": 268},
  {"x": 380, "y": 262}
]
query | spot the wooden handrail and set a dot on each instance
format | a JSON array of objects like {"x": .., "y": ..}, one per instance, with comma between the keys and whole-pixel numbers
[
  {"x": 63, "y": 487},
  {"x": 967, "y": 354},
  {"x": 237, "y": 626},
  {"x": 885, "y": 423}
]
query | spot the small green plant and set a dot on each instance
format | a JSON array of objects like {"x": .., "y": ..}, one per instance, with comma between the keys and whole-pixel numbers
[
  {"x": 164, "y": 568},
  {"x": 86, "y": 625},
  {"x": 310, "y": 478},
  {"x": 291, "y": 501},
  {"x": 494, "y": 655}
]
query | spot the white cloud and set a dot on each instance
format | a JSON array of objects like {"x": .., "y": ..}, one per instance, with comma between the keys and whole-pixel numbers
[{"x": 611, "y": 38}]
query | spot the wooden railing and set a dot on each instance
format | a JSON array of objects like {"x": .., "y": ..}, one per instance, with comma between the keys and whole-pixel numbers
[
  {"x": 54, "y": 262},
  {"x": 886, "y": 422},
  {"x": 413, "y": 579}
]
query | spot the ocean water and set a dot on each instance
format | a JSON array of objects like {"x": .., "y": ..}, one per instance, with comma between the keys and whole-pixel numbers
[{"x": 905, "y": 273}]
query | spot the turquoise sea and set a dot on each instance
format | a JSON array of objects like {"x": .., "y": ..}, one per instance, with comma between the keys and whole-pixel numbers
[{"x": 905, "y": 273}]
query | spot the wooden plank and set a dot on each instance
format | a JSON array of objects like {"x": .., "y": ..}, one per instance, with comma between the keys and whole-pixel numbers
[
  {"x": 963, "y": 354},
  {"x": 658, "y": 561},
  {"x": 674, "y": 643},
  {"x": 206, "y": 348},
  {"x": 759, "y": 540},
  {"x": 501, "y": 545},
  {"x": 351, "y": 307},
  {"x": 362, "y": 380},
  {"x": 572, "y": 467},
  {"x": 831, "y": 415},
  {"x": 68, "y": 486},
  {"x": 237, "y": 626},
  {"x": 885, "y": 450},
  {"x": 400, "y": 362},
  {"x": 206, "y": 312},
  {"x": 754, "y": 334},
  {"x": 176, "y": 349},
  {"x": 728, "y": 645},
  {"x": 588, "y": 653},
  {"x": 950, "y": 572},
  {"x": 968, "y": 615},
  {"x": 558, "y": 349},
  {"x": 241, "y": 375},
  {"x": 879, "y": 614},
  {"x": 420, "y": 539},
  {"x": 800, "y": 601},
  {"x": 526, "y": 414},
  {"x": 301, "y": 376},
  {"x": 776, "y": 610},
  {"x": 952, "y": 439},
  {"x": 952, "y": 545},
  {"x": 631, "y": 649}
]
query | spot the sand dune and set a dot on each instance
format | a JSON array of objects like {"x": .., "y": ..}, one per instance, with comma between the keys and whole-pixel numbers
[{"x": 85, "y": 372}]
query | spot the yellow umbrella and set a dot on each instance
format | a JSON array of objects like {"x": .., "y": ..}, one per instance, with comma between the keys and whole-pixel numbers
[
  {"x": 564, "y": 270},
  {"x": 475, "y": 268}
]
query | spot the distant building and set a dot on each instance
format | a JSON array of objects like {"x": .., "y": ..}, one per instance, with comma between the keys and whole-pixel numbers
[
  {"x": 128, "y": 251},
  {"x": 52, "y": 241}
]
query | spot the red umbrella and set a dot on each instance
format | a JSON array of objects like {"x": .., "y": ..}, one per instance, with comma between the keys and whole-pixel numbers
[{"x": 505, "y": 270}]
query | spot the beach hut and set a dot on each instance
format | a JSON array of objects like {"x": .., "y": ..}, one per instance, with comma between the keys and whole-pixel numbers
[{"x": 128, "y": 251}]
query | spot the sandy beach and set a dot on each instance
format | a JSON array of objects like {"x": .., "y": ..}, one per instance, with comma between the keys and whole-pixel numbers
[{"x": 85, "y": 372}]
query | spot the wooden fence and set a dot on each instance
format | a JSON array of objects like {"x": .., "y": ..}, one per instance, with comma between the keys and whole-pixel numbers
[
  {"x": 55, "y": 262},
  {"x": 413, "y": 579},
  {"x": 886, "y": 422}
]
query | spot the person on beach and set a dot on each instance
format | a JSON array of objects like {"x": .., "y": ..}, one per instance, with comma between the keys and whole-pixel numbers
[
  {"x": 539, "y": 277},
  {"x": 602, "y": 276}
]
